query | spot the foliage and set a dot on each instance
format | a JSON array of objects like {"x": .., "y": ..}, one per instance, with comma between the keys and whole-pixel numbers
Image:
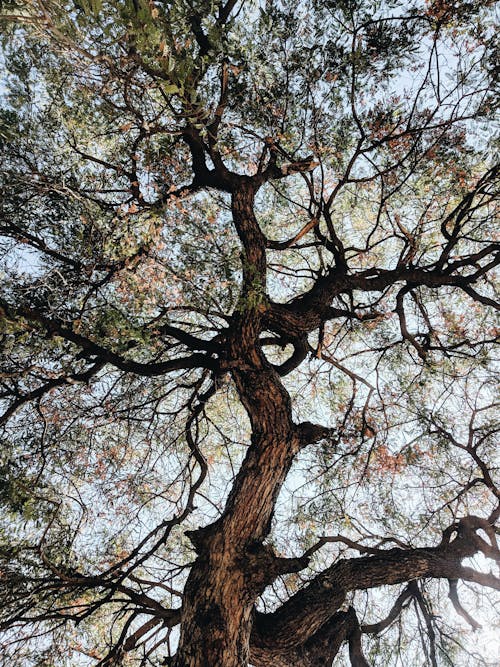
[{"x": 248, "y": 261}]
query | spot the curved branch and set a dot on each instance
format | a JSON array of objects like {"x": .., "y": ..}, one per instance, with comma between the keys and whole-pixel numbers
[
  {"x": 105, "y": 355},
  {"x": 453, "y": 595},
  {"x": 306, "y": 611}
]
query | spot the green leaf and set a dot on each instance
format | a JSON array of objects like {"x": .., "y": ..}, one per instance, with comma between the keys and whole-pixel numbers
[{"x": 171, "y": 89}]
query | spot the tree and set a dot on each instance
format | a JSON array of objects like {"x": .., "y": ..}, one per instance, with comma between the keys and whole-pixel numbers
[{"x": 248, "y": 388}]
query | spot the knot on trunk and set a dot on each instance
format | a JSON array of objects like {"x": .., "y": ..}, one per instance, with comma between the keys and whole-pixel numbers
[
  {"x": 201, "y": 538},
  {"x": 310, "y": 433}
]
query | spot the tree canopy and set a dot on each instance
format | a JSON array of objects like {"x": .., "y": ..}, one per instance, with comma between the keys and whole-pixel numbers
[{"x": 247, "y": 384}]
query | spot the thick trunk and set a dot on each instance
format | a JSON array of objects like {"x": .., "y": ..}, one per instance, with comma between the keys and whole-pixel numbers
[
  {"x": 216, "y": 623},
  {"x": 233, "y": 567}
]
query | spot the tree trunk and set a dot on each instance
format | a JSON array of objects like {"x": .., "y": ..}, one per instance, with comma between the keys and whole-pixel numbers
[
  {"x": 216, "y": 623},
  {"x": 233, "y": 567}
]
